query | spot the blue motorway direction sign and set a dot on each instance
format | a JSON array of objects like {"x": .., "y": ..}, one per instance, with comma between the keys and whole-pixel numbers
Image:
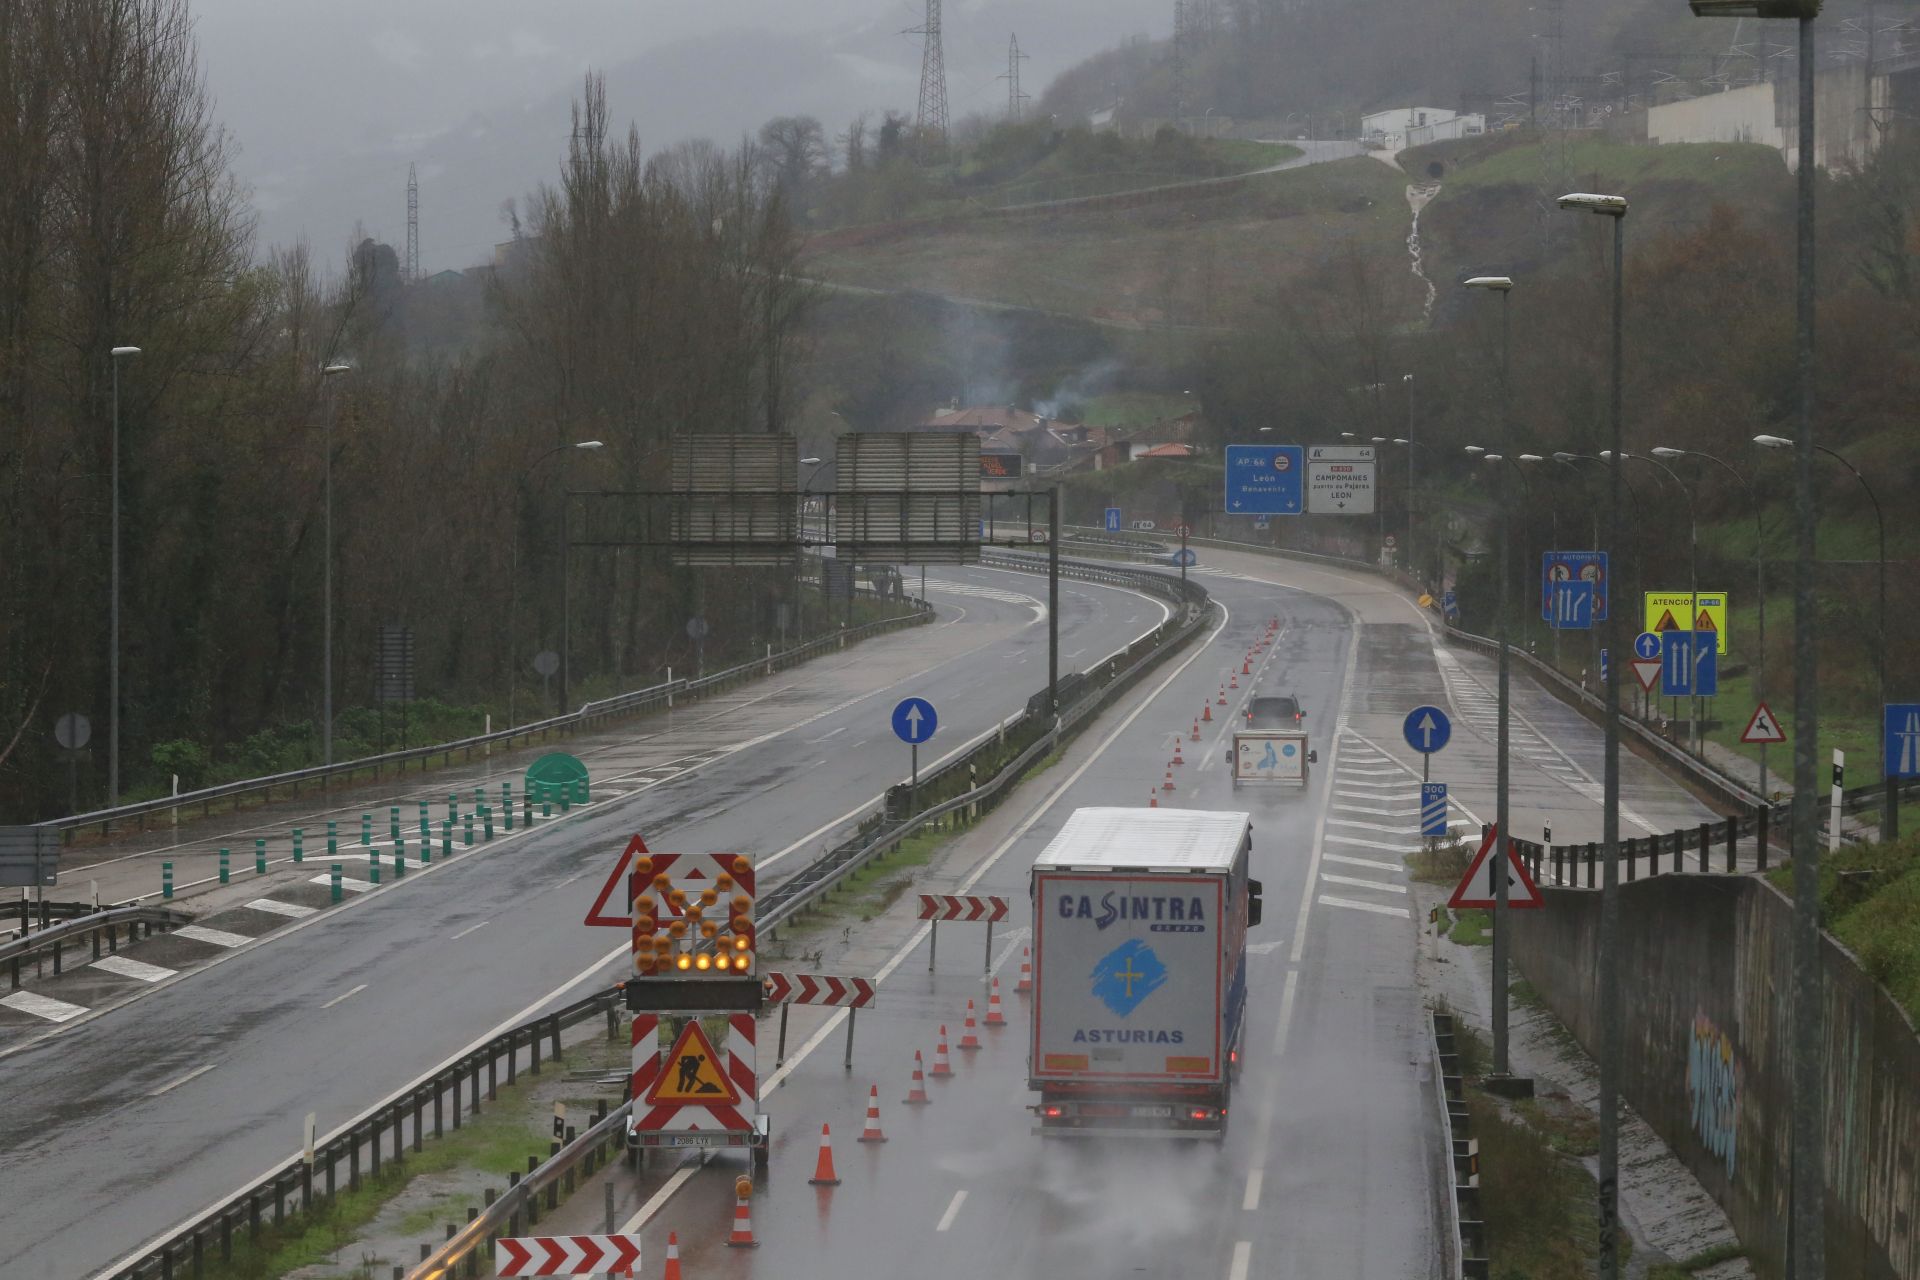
[
  {"x": 1433, "y": 809},
  {"x": 1427, "y": 729},
  {"x": 1646, "y": 646},
  {"x": 1689, "y": 664},
  {"x": 1264, "y": 479},
  {"x": 914, "y": 720},
  {"x": 1573, "y": 566},
  {"x": 1903, "y": 740},
  {"x": 1113, "y": 519},
  {"x": 1186, "y": 557},
  {"x": 1572, "y": 605}
]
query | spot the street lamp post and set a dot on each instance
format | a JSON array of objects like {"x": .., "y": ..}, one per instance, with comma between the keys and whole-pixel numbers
[
  {"x": 1759, "y": 578},
  {"x": 513, "y": 579},
  {"x": 326, "y": 589},
  {"x": 113, "y": 604},
  {"x": 1503, "y": 286},
  {"x": 1413, "y": 566},
  {"x": 1615, "y": 207}
]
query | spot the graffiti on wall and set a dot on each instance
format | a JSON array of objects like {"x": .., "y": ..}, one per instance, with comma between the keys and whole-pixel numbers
[{"x": 1713, "y": 1088}]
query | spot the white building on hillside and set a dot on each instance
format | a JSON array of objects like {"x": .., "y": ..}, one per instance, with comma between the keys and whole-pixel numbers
[{"x": 1403, "y": 127}]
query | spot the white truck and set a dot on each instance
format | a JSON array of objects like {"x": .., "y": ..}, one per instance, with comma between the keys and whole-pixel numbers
[
  {"x": 1270, "y": 745},
  {"x": 1140, "y": 971}
]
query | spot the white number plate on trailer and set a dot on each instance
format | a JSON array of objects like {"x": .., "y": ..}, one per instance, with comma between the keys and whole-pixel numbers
[{"x": 1154, "y": 1113}]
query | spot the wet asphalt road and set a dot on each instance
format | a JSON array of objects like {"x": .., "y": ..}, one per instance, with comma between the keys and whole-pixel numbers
[{"x": 105, "y": 1141}]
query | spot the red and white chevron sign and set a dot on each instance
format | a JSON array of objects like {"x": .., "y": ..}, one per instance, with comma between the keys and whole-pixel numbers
[
  {"x": 946, "y": 906},
  {"x": 569, "y": 1255},
  {"x": 808, "y": 988}
]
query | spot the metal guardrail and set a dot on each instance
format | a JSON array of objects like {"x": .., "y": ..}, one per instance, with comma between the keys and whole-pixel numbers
[
  {"x": 184, "y": 1252},
  {"x": 55, "y": 938},
  {"x": 1468, "y": 1230},
  {"x": 589, "y": 715}
]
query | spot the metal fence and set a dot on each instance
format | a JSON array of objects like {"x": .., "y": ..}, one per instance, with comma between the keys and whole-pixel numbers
[
  {"x": 589, "y": 716},
  {"x": 54, "y": 939}
]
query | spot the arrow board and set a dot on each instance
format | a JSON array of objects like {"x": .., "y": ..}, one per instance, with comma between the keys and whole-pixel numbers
[
  {"x": 1477, "y": 887},
  {"x": 1763, "y": 729},
  {"x": 691, "y": 1072}
]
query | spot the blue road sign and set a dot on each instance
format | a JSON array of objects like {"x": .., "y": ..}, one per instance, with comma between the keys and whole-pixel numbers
[
  {"x": 1264, "y": 479},
  {"x": 1646, "y": 646},
  {"x": 1572, "y": 605},
  {"x": 1573, "y": 566},
  {"x": 914, "y": 720},
  {"x": 1113, "y": 519},
  {"x": 1449, "y": 600},
  {"x": 1433, "y": 809},
  {"x": 1689, "y": 664},
  {"x": 1903, "y": 740},
  {"x": 1186, "y": 558},
  {"x": 1427, "y": 729}
]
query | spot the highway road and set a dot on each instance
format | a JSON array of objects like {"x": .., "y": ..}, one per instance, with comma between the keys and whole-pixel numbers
[
  {"x": 1332, "y": 1166},
  {"x": 123, "y": 1124}
]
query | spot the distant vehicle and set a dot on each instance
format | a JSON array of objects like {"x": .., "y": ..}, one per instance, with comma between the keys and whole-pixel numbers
[
  {"x": 1270, "y": 746},
  {"x": 1139, "y": 970},
  {"x": 1144, "y": 526}
]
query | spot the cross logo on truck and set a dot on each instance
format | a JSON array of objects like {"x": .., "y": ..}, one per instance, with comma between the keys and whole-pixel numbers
[{"x": 1127, "y": 975}]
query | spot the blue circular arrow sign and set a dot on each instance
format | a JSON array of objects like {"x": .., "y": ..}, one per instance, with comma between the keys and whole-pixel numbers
[
  {"x": 1186, "y": 557},
  {"x": 914, "y": 720},
  {"x": 1427, "y": 729},
  {"x": 1646, "y": 645}
]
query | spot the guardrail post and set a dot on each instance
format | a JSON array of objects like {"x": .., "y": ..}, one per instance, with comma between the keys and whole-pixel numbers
[
  {"x": 468, "y": 818},
  {"x": 1633, "y": 849},
  {"x": 399, "y": 1130},
  {"x": 439, "y": 1088},
  {"x": 226, "y": 1237},
  {"x": 506, "y": 803},
  {"x": 426, "y": 821},
  {"x": 493, "y": 1076},
  {"x": 1760, "y": 820},
  {"x": 366, "y": 828},
  {"x": 225, "y": 870},
  {"x": 513, "y": 1058},
  {"x": 333, "y": 839},
  {"x": 393, "y": 820},
  {"x": 1706, "y": 840},
  {"x": 334, "y": 890},
  {"x": 555, "y": 1030},
  {"x": 533, "y": 1043},
  {"x": 373, "y": 867},
  {"x": 299, "y": 845},
  {"x": 446, "y": 839},
  {"x": 1592, "y": 850},
  {"x": 1733, "y": 833},
  {"x": 260, "y": 856}
]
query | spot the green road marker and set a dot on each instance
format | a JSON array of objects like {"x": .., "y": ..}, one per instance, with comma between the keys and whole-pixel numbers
[
  {"x": 166, "y": 880},
  {"x": 299, "y": 848},
  {"x": 426, "y": 851},
  {"x": 486, "y": 821},
  {"x": 366, "y": 828},
  {"x": 426, "y": 822},
  {"x": 446, "y": 838},
  {"x": 223, "y": 866},
  {"x": 468, "y": 816},
  {"x": 453, "y": 808},
  {"x": 373, "y": 867},
  {"x": 333, "y": 839},
  {"x": 393, "y": 820},
  {"x": 399, "y": 863},
  {"x": 260, "y": 856},
  {"x": 546, "y": 801},
  {"x": 506, "y": 803},
  {"x": 336, "y": 882}
]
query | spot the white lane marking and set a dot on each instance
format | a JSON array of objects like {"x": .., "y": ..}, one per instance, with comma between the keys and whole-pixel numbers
[
  {"x": 469, "y": 929},
  {"x": 347, "y": 882},
  {"x": 1333, "y": 768},
  {"x": 1242, "y": 1260},
  {"x": 291, "y": 910},
  {"x": 1392, "y": 830},
  {"x": 133, "y": 968},
  {"x": 1358, "y": 843},
  {"x": 1378, "y": 787},
  {"x": 830, "y": 734},
  {"x": 1284, "y": 1027},
  {"x": 215, "y": 937},
  {"x": 1372, "y": 864},
  {"x": 1251, "y": 1200},
  {"x": 1327, "y": 899},
  {"x": 664, "y": 1194},
  {"x": 1027, "y": 824},
  {"x": 953, "y": 1210},
  {"x": 1348, "y": 806},
  {"x": 175, "y": 1084},
  {"x": 1358, "y": 883},
  {"x": 344, "y": 995},
  {"x": 1371, "y": 773},
  {"x": 43, "y": 1006}
]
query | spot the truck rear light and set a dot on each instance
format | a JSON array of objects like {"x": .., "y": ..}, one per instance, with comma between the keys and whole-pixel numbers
[
  {"x": 1053, "y": 1112},
  {"x": 1201, "y": 1113},
  {"x": 1234, "y": 1056}
]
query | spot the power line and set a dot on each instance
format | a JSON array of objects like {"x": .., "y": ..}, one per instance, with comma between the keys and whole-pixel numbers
[
  {"x": 413, "y": 226},
  {"x": 1014, "y": 96}
]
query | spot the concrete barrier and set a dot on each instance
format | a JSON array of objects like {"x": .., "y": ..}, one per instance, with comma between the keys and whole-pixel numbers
[{"x": 1707, "y": 1058}]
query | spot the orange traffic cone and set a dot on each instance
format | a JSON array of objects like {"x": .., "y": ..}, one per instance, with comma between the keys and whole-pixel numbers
[
  {"x": 942, "y": 1067},
  {"x": 1168, "y": 784},
  {"x": 1153, "y": 798},
  {"x": 673, "y": 1256},
  {"x": 1221, "y": 701},
  {"x": 823, "y": 1174},
  {"x": 969, "y": 1037},
  {"x": 872, "y": 1132},
  {"x": 742, "y": 1237},
  {"x": 1026, "y": 972},
  {"x": 1233, "y": 678},
  {"x": 995, "y": 1018},
  {"x": 917, "y": 1091},
  {"x": 1206, "y": 714},
  {"x": 1176, "y": 750},
  {"x": 1196, "y": 732},
  {"x": 1246, "y": 666}
]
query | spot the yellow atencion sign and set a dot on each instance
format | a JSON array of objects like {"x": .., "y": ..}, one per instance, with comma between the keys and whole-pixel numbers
[{"x": 1668, "y": 610}]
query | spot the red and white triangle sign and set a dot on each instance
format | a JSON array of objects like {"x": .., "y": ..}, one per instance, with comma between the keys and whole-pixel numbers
[
  {"x": 1477, "y": 888},
  {"x": 1647, "y": 672},
  {"x": 1764, "y": 729},
  {"x": 612, "y": 909}
]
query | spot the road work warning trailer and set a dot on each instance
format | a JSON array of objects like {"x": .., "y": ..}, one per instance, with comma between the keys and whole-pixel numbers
[
  {"x": 1140, "y": 977},
  {"x": 1270, "y": 745}
]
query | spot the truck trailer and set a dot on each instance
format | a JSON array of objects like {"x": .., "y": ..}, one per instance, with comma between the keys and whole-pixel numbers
[{"x": 1140, "y": 972}]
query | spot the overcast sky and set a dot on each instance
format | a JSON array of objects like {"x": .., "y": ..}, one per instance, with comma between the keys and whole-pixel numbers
[{"x": 329, "y": 103}]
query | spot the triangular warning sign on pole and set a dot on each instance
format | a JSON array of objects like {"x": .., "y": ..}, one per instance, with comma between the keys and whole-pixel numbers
[
  {"x": 1667, "y": 622},
  {"x": 1647, "y": 672},
  {"x": 691, "y": 1072},
  {"x": 1478, "y": 889},
  {"x": 1704, "y": 622},
  {"x": 1764, "y": 729},
  {"x": 611, "y": 907}
]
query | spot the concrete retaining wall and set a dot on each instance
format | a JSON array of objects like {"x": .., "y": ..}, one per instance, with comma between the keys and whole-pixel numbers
[{"x": 1706, "y": 972}]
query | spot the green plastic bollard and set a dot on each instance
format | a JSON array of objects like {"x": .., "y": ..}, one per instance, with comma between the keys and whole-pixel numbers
[
  {"x": 426, "y": 823},
  {"x": 426, "y": 851},
  {"x": 333, "y": 839},
  {"x": 479, "y": 796},
  {"x": 166, "y": 880},
  {"x": 446, "y": 838},
  {"x": 373, "y": 867},
  {"x": 506, "y": 803},
  {"x": 366, "y": 828},
  {"x": 453, "y": 808},
  {"x": 259, "y": 857},
  {"x": 486, "y": 822},
  {"x": 336, "y": 882},
  {"x": 546, "y": 801},
  {"x": 468, "y": 816},
  {"x": 299, "y": 846},
  {"x": 224, "y": 873},
  {"x": 580, "y": 790},
  {"x": 566, "y": 798},
  {"x": 399, "y": 865},
  {"x": 393, "y": 821}
]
